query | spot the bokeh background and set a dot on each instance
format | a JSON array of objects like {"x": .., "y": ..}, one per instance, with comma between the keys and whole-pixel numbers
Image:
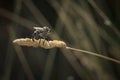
[{"x": 92, "y": 25}]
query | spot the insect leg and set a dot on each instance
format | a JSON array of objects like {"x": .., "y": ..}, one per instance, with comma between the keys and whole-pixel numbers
[
  {"x": 33, "y": 36},
  {"x": 47, "y": 40},
  {"x": 44, "y": 42},
  {"x": 40, "y": 42}
]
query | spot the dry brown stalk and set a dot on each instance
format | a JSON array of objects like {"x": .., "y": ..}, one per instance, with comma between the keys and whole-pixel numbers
[
  {"x": 41, "y": 42},
  {"x": 56, "y": 43}
]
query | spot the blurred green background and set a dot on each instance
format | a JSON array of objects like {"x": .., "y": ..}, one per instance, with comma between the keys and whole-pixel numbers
[{"x": 92, "y": 25}]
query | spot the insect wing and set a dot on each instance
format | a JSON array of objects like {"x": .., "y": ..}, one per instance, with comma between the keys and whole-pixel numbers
[{"x": 39, "y": 28}]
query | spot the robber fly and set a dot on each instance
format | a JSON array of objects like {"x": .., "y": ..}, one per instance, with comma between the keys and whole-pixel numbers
[{"x": 41, "y": 33}]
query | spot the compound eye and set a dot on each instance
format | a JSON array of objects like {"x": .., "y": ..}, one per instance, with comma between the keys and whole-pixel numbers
[
  {"x": 49, "y": 30},
  {"x": 46, "y": 28}
]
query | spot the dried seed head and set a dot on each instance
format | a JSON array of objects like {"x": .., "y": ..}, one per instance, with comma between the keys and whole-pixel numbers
[
  {"x": 41, "y": 42},
  {"x": 56, "y": 43}
]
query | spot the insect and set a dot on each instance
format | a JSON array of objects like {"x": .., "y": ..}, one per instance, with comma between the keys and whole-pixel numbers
[{"x": 41, "y": 33}]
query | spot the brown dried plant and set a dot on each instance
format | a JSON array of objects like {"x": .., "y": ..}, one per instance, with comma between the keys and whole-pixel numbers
[
  {"x": 40, "y": 42},
  {"x": 55, "y": 43}
]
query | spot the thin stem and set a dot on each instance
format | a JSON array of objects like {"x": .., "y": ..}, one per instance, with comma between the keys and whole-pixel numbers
[{"x": 95, "y": 54}]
